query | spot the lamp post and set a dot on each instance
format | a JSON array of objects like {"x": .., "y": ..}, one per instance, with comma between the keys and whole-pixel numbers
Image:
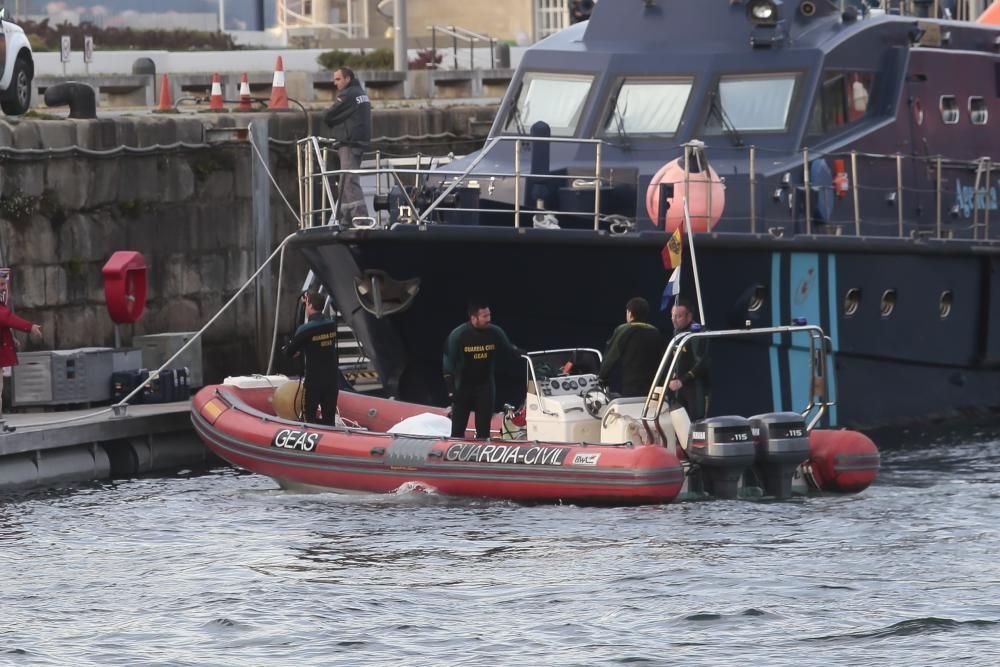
[{"x": 399, "y": 61}]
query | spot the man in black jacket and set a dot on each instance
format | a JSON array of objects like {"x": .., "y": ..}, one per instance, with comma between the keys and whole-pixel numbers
[
  {"x": 691, "y": 380},
  {"x": 638, "y": 346},
  {"x": 317, "y": 338},
  {"x": 350, "y": 119}
]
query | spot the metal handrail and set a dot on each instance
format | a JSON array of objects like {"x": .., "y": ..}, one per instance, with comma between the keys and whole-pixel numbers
[
  {"x": 973, "y": 202},
  {"x": 457, "y": 33},
  {"x": 818, "y": 350}
]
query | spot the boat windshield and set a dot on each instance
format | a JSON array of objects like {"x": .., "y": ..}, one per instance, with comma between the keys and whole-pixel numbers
[
  {"x": 556, "y": 99},
  {"x": 751, "y": 103},
  {"x": 647, "y": 106}
]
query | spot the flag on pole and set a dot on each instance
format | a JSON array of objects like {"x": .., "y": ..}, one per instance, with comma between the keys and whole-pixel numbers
[
  {"x": 671, "y": 252},
  {"x": 672, "y": 289}
]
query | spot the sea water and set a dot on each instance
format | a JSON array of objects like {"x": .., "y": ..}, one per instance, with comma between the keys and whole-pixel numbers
[{"x": 221, "y": 567}]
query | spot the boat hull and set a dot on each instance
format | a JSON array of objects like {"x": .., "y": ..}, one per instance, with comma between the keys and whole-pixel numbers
[
  {"x": 301, "y": 455},
  {"x": 565, "y": 288}
]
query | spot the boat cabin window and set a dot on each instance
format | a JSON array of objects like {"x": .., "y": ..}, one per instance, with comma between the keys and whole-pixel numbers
[
  {"x": 978, "y": 113},
  {"x": 556, "y": 99},
  {"x": 949, "y": 109},
  {"x": 843, "y": 99},
  {"x": 648, "y": 106},
  {"x": 751, "y": 103}
]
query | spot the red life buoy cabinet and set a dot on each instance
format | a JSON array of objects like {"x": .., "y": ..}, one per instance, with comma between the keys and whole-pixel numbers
[{"x": 125, "y": 286}]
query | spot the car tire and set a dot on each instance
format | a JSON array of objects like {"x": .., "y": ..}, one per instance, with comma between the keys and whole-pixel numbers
[{"x": 17, "y": 100}]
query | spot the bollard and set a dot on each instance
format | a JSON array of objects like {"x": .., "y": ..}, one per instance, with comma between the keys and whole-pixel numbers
[{"x": 79, "y": 96}]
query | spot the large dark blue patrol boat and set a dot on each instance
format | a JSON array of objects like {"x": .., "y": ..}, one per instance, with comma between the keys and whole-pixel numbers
[{"x": 836, "y": 163}]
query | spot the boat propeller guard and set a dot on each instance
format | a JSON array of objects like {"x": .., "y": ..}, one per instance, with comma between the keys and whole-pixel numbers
[{"x": 381, "y": 294}]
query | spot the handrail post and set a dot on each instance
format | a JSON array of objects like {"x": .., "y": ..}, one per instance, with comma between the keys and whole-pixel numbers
[
  {"x": 753, "y": 189},
  {"x": 493, "y": 53},
  {"x": 378, "y": 183},
  {"x": 299, "y": 159},
  {"x": 899, "y": 192},
  {"x": 986, "y": 198},
  {"x": 454, "y": 47},
  {"x": 687, "y": 173},
  {"x": 597, "y": 186},
  {"x": 937, "y": 164},
  {"x": 808, "y": 189},
  {"x": 855, "y": 187},
  {"x": 434, "y": 48},
  {"x": 517, "y": 183}
]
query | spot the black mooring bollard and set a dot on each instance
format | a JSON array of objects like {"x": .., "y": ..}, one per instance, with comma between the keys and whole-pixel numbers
[{"x": 79, "y": 96}]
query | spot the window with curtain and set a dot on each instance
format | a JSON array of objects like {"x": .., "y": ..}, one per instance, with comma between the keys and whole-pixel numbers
[
  {"x": 556, "y": 99},
  {"x": 752, "y": 103},
  {"x": 648, "y": 107}
]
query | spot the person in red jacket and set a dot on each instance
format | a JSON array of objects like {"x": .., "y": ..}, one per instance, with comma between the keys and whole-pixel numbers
[{"x": 8, "y": 346}]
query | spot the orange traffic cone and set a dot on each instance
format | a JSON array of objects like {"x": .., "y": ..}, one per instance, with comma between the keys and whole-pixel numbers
[
  {"x": 279, "y": 96},
  {"x": 215, "y": 99},
  {"x": 245, "y": 104},
  {"x": 166, "y": 100}
]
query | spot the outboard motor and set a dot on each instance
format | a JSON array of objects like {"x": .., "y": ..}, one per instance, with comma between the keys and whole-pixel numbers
[
  {"x": 723, "y": 447},
  {"x": 782, "y": 444}
]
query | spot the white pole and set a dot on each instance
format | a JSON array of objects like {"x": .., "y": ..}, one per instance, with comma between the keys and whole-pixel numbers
[
  {"x": 222, "y": 15},
  {"x": 694, "y": 262}
]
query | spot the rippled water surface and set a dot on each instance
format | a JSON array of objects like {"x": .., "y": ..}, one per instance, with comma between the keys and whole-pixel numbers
[{"x": 221, "y": 568}]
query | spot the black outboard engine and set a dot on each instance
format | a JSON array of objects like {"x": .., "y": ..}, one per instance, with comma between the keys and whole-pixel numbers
[
  {"x": 782, "y": 444},
  {"x": 723, "y": 448}
]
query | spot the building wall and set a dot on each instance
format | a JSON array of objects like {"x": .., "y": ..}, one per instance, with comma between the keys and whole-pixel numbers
[{"x": 505, "y": 20}]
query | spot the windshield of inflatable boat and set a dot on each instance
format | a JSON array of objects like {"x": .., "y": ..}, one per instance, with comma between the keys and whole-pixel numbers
[{"x": 545, "y": 364}]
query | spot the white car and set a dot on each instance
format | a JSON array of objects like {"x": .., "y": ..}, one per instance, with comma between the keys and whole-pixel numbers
[{"x": 18, "y": 67}]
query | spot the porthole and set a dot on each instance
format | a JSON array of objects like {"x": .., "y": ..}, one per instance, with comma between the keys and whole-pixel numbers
[
  {"x": 851, "y": 301},
  {"x": 757, "y": 300},
  {"x": 888, "y": 302},
  {"x": 945, "y": 304},
  {"x": 949, "y": 109}
]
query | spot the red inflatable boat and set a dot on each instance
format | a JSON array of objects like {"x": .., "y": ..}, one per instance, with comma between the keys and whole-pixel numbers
[{"x": 611, "y": 462}]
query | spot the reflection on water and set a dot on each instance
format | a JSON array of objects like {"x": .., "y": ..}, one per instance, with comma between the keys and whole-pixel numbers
[{"x": 223, "y": 568}]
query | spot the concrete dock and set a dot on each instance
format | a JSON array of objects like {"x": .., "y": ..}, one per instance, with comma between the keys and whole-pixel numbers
[{"x": 55, "y": 448}]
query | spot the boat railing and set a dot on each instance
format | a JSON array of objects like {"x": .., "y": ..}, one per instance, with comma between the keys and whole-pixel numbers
[
  {"x": 970, "y": 209},
  {"x": 820, "y": 397},
  {"x": 313, "y": 154}
]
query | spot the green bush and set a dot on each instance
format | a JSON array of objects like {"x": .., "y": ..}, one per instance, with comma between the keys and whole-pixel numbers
[{"x": 377, "y": 59}]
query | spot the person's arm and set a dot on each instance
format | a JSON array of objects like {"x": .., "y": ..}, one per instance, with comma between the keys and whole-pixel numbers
[
  {"x": 9, "y": 319},
  {"x": 298, "y": 340},
  {"x": 700, "y": 363},
  {"x": 451, "y": 363},
  {"x": 341, "y": 109},
  {"x": 504, "y": 344}
]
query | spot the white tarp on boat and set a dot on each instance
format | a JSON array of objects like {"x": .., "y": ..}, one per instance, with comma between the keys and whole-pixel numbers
[{"x": 426, "y": 423}]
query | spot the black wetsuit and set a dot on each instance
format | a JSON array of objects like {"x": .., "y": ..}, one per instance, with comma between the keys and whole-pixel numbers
[
  {"x": 638, "y": 347},
  {"x": 692, "y": 370},
  {"x": 469, "y": 361},
  {"x": 317, "y": 339}
]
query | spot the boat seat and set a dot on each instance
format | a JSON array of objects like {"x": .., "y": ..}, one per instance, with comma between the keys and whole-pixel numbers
[{"x": 621, "y": 422}]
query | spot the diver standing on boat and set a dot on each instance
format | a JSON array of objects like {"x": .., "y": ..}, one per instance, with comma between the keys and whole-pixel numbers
[
  {"x": 350, "y": 121},
  {"x": 637, "y": 346},
  {"x": 469, "y": 364},
  {"x": 317, "y": 339},
  {"x": 690, "y": 384}
]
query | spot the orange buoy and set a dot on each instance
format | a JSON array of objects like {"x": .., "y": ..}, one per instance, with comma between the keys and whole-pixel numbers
[
  {"x": 842, "y": 461},
  {"x": 706, "y": 197}
]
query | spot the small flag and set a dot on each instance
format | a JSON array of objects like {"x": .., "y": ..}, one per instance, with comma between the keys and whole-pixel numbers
[
  {"x": 671, "y": 252},
  {"x": 672, "y": 289}
]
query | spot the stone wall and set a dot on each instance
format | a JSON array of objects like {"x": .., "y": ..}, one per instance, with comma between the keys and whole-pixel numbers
[{"x": 70, "y": 195}]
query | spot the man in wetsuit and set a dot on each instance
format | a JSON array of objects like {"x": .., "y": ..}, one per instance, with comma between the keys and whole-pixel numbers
[
  {"x": 317, "y": 339},
  {"x": 469, "y": 361},
  {"x": 691, "y": 380},
  {"x": 350, "y": 120},
  {"x": 637, "y": 346}
]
